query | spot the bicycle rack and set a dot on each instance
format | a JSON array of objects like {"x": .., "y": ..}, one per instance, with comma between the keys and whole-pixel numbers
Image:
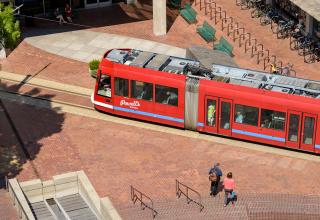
[
  {"x": 200, "y": 4},
  {"x": 268, "y": 58},
  {"x": 225, "y": 20},
  {"x": 243, "y": 37},
  {"x": 250, "y": 44},
  {"x": 231, "y": 27},
  {"x": 255, "y": 48},
  {"x": 217, "y": 12},
  {"x": 263, "y": 53},
  {"x": 208, "y": 3},
  {"x": 237, "y": 31}
]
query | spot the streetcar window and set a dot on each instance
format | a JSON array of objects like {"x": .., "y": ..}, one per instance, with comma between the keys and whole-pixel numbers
[
  {"x": 272, "y": 119},
  {"x": 121, "y": 87},
  {"x": 246, "y": 115},
  {"x": 104, "y": 87},
  {"x": 293, "y": 127},
  {"x": 167, "y": 95},
  {"x": 211, "y": 113},
  {"x": 308, "y": 129},
  {"x": 141, "y": 90}
]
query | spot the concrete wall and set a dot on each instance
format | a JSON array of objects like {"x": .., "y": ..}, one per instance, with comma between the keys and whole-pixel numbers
[{"x": 19, "y": 200}]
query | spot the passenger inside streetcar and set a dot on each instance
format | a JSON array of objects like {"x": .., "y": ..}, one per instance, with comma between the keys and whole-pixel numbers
[
  {"x": 172, "y": 98},
  {"x": 239, "y": 118}
]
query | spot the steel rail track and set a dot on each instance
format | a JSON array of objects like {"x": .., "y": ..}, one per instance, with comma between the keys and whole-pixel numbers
[
  {"x": 46, "y": 87},
  {"x": 181, "y": 132}
]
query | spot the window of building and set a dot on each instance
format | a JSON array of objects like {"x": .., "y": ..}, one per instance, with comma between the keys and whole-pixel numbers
[
  {"x": 246, "y": 115},
  {"x": 141, "y": 90},
  {"x": 121, "y": 87},
  {"x": 167, "y": 95},
  {"x": 104, "y": 87},
  {"x": 272, "y": 119}
]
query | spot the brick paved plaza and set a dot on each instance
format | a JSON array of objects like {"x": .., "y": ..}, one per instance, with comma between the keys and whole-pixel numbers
[{"x": 115, "y": 156}]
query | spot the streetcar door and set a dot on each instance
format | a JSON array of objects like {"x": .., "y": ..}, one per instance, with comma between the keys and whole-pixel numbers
[
  {"x": 308, "y": 132},
  {"x": 294, "y": 129},
  {"x": 211, "y": 109},
  {"x": 225, "y": 116}
]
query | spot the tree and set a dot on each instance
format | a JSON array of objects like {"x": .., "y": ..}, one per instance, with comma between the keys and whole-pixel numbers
[{"x": 9, "y": 28}]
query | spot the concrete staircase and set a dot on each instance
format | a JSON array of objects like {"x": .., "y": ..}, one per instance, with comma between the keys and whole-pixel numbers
[
  {"x": 76, "y": 208},
  {"x": 41, "y": 211}
]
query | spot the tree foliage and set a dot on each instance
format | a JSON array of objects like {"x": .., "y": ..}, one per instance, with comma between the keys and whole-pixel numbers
[{"x": 9, "y": 27}]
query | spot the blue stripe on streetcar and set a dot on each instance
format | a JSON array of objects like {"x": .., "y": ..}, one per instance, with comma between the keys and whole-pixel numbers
[
  {"x": 200, "y": 124},
  {"x": 317, "y": 146},
  {"x": 149, "y": 114},
  {"x": 252, "y": 134}
]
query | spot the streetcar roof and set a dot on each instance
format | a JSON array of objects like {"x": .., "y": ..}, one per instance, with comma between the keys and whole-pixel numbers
[{"x": 227, "y": 74}]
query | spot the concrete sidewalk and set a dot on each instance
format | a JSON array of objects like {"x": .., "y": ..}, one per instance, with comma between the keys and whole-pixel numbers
[{"x": 86, "y": 45}]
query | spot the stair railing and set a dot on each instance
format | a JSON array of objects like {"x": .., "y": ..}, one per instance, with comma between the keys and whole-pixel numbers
[
  {"x": 136, "y": 195},
  {"x": 182, "y": 189}
]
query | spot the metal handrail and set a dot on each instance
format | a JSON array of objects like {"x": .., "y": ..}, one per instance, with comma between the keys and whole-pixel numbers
[
  {"x": 135, "y": 197},
  {"x": 179, "y": 192},
  {"x": 16, "y": 199}
]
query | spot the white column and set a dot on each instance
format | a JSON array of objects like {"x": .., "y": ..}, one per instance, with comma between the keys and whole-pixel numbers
[
  {"x": 159, "y": 17},
  {"x": 309, "y": 24}
]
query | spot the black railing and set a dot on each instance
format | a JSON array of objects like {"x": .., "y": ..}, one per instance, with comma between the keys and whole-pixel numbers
[
  {"x": 136, "y": 195},
  {"x": 182, "y": 189}
]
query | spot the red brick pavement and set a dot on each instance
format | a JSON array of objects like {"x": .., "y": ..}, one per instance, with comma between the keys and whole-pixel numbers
[
  {"x": 29, "y": 60},
  {"x": 115, "y": 156},
  {"x": 7, "y": 210},
  {"x": 26, "y": 59}
]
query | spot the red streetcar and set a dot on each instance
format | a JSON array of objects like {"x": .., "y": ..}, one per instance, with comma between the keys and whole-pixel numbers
[{"x": 239, "y": 103}]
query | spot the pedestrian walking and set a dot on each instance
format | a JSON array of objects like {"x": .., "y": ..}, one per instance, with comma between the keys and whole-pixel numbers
[
  {"x": 229, "y": 193},
  {"x": 215, "y": 175}
]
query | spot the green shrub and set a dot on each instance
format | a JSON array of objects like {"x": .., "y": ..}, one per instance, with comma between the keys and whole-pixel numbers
[
  {"x": 9, "y": 28},
  {"x": 94, "y": 64}
]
